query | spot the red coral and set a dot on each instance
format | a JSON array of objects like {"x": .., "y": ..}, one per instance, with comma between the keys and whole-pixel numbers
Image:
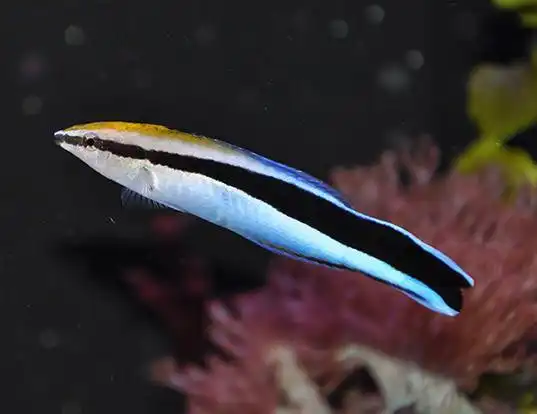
[
  {"x": 245, "y": 386},
  {"x": 315, "y": 311}
]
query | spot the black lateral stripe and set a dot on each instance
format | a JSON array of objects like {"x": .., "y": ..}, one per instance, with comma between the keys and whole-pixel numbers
[{"x": 374, "y": 239}]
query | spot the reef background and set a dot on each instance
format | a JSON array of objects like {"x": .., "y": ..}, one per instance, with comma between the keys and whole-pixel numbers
[{"x": 314, "y": 86}]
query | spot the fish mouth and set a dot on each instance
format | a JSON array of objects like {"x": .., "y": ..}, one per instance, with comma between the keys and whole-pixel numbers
[
  {"x": 63, "y": 137},
  {"x": 59, "y": 137}
]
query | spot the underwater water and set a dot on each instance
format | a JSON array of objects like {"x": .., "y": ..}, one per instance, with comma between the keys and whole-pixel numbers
[{"x": 105, "y": 309}]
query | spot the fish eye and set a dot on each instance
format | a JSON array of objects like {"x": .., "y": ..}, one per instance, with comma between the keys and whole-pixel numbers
[{"x": 89, "y": 140}]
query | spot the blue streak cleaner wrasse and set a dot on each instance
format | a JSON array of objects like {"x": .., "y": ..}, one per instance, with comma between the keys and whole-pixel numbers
[{"x": 277, "y": 207}]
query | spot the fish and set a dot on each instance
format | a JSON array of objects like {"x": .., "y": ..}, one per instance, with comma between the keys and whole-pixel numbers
[{"x": 279, "y": 208}]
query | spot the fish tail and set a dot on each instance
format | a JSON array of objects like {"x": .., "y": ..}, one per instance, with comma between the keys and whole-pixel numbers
[
  {"x": 395, "y": 256},
  {"x": 452, "y": 296},
  {"x": 444, "y": 299}
]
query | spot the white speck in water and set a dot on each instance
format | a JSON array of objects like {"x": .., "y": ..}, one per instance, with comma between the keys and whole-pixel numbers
[
  {"x": 49, "y": 339},
  {"x": 374, "y": 14},
  {"x": 414, "y": 59},
  {"x": 71, "y": 407},
  {"x": 339, "y": 29},
  {"x": 32, "y": 105},
  {"x": 74, "y": 36},
  {"x": 393, "y": 78}
]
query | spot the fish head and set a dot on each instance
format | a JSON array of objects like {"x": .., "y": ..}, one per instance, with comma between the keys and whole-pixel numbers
[{"x": 107, "y": 147}]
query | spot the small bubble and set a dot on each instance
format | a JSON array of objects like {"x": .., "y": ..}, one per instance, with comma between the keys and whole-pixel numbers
[
  {"x": 339, "y": 29},
  {"x": 74, "y": 36},
  {"x": 414, "y": 59},
  {"x": 393, "y": 78},
  {"x": 49, "y": 339},
  {"x": 374, "y": 14},
  {"x": 32, "y": 105}
]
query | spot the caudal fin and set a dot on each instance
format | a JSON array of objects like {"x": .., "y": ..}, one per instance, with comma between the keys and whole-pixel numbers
[
  {"x": 451, "y": 295},
  {"x": 399, "y": 258},
  {"x": 447, "y": 300},
  {"x": 406, "y": 253}
]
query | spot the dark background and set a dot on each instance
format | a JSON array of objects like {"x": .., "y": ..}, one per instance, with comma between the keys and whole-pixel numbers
[{"x": 313, "y": 84}]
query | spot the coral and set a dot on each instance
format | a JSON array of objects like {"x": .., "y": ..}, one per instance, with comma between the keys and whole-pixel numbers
[{"x": 289, "y": 346}]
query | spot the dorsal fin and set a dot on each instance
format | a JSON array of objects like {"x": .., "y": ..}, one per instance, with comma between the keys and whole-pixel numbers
[{"x": 298, "y": 177}]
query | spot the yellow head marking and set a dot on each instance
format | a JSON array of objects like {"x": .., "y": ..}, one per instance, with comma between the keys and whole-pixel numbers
[{"x": 156, "y": 131}]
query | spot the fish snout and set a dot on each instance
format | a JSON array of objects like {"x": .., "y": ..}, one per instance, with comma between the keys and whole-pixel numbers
[{"x": 59, "y": 137}]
